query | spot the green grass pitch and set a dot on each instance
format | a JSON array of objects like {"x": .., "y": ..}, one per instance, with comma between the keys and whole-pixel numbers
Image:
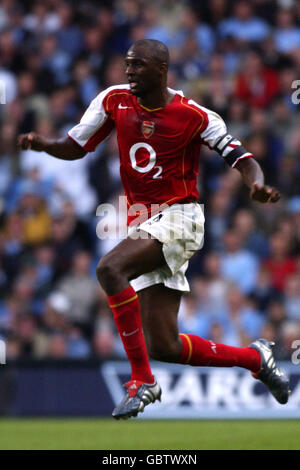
[{"x": 107, "y": 434}]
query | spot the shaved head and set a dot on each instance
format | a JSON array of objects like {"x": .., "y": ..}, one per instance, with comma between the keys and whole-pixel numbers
[
  {"x": 153, "y": 49},
  {"x": 146, "y": 65}
]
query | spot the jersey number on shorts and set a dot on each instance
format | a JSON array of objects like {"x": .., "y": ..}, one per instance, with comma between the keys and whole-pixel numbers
[{"x": 152, "y": 160}]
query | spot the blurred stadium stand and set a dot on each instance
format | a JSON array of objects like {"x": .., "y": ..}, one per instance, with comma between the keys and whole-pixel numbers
[{"x": 238, "y": 58}]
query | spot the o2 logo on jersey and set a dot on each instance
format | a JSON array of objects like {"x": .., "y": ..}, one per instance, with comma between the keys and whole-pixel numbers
[
  {"x": 147, "y": 128},
  {"x": 152, "y": 159}
]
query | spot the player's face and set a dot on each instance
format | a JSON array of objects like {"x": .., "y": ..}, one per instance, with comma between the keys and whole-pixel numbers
[{"x": 142, "y": 71}]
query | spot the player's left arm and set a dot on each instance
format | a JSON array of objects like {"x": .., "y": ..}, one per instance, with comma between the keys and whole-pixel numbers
[
  {"x": 216, "y": 137},
  {"x": 253, "y": 177}
]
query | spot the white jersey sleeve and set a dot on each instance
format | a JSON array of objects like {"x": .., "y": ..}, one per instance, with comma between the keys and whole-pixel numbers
[
  {"x": 95, "y": 125},
  {"x": 216, "y": 137}
]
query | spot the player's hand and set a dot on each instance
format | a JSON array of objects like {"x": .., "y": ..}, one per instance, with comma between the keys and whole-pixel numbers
[
  {"x": 31, "y": 141},
  {"x": 262, "y": 193}
]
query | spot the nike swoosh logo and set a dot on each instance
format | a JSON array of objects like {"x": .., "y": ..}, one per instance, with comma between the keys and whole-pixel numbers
[
  {"x": 131, "y": 333},
  {"x": 123, "y": 107}
]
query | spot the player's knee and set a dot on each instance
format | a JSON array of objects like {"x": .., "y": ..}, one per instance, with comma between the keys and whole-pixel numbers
[{"x": 107, "y": 271}]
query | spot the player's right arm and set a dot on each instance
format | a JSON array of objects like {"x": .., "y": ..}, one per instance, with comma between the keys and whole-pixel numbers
[
  {"x": 95, "y": 125},
  {"x": 65, "y": 149}
]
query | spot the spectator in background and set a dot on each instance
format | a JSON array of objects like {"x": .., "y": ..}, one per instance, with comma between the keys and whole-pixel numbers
[
  {"x": 276, "y": 315},
  {"x": 292, "y": 297},
  {"x": 11, "y": 309},
  {"x": 114, "y": 72},
  {"x": 26, "y": 329},
  {"x": 293, "y": 207},
  {"x": 287, "y": 227},
  {"x": 44, "y": 256},
  {"x": 288, "y": 175},
  {"x": 88, "y": 84},
  {"x": 236, "y": 119},
  {"x": 78, "y": 345},
  {"x": 189, "y": 318},
  {"x": 253, "y": 240},
  {"x": 286, "y": 34},
  {"x": 9, "y": 84},
  {"x": 244, "y": 25},
  {"x": 55, "y": 61},
  {"x": 81, "y": 288},
  {"x": 68, "y": 339},
  {"x": 58, "y": 347},
  {"x": 154, "y": 27},
  {"x": 190, "y": 64},
  {"x": 3, "y": 281},
  {"x": 68, "y": 235},
  {"x": 13, "y": 347},
  {"x": 232, "y": 54},
  {"x": 214, "y": 86},
  {"x": 191, "y": 25},
  {"x": 8, "y": 156},
  {"x": 104, "y": 339},
  {"x": 279, "y": 264},
  {"x": 245, "y": 321},
  {"x": 219, "y": 212},
  {"x": 40, "y": 20},
  {"x": 13, "y": 244},
  {"x": 256, "y": 84},
  {"x": 55, "y": 318},
  {"x": 213, "y": 12},
  {"x": 217, "y": 286},
  {"x": 24, "y": 288},
  {"x": 69, "y": 35},
  {"x": 264, "y": 291},
  {"x": 35, "y": 215},
  {"x": 260, "y": 126},
  {"x": 201, "y": 309},
  {"x": 35, "y": 105},
  {"x": 282, "y": 120},
  {"x": 94, "y": 41},
  {"x": 107, "y": 165},
  {"x": 239, "y": 265},
  {"x": 10, "y": 54}
]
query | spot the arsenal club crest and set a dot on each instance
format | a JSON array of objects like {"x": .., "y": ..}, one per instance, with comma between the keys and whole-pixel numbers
[{"x": 148, "y": 128}]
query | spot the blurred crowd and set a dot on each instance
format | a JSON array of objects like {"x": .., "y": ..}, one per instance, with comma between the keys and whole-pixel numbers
[{"x": 239, "y": 58}]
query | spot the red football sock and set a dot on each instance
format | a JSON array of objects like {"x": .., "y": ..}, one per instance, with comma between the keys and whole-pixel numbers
[
  {"x": 197, "y": 351},
  {"x": 126, "y": 310}
]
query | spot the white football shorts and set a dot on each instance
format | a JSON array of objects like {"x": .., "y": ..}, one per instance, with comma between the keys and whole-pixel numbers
[{"x": 180, "y": 228}]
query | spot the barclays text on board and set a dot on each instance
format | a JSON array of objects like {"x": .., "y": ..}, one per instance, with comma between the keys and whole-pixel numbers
[
  {"x": 93, "y": 389},
  {"x": 220, "y": 393}
]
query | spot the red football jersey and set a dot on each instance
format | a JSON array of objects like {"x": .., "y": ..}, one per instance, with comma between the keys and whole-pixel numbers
[{"x": 159, "y": 148}]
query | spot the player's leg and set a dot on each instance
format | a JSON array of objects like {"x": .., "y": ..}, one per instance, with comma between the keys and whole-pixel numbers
[
  {"x": 159, "y": 308},
  {"x": 128, "y": 260}
]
